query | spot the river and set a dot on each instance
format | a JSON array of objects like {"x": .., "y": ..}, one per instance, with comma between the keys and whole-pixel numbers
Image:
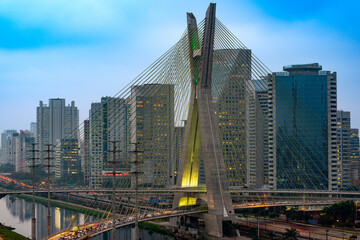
[{"x": 16, "y": 212}]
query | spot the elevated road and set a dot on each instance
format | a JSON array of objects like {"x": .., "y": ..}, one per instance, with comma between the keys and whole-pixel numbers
[
  {"x": 186, "y": 190},
  {"x": 97, "y": 228}
]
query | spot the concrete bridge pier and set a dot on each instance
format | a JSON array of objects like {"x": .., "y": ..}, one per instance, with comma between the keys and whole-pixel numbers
[{"x": 202, "y": 137}]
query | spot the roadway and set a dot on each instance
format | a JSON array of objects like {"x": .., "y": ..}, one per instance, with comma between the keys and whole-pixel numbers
[
  {"x": 305, "y": 230},
  {"x": 285, "y": 204},
  {"x": 174, "y": 190},
  {"x": 184, "y": 190},
  {"x": 233, "y": 190},
  {"x": 92, "y": 229}
]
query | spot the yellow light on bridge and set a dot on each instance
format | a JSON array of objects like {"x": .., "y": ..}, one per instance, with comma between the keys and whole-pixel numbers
[{"x": 187, "y": 201}]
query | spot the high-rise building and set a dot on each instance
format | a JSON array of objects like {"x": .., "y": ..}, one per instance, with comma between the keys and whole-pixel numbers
[
  {"x": 96, "y": 145},
  {"x": 152, "y": 125},
  {"x": 56, "y": 122},
  {"x": 23, "y": 145},
  {"x": 302, "y": 128},
  {"x": 255, "y": 145},
  {"x": 7, "y": 152},
  {"x": 344, "y": 175},
  {"x": 5, "y": 135},
  {"x": 86, "y": 152},
  {"x": 238, "y": 115},
  {"x": 109, "y": 121},
  {"x": 67, "y": 162},
  {"x": 176, "y": 151},
  {"x": 355, "y": 153},
  {"x": 263, "y": 99},
  {"x": 33, "y": 128}
]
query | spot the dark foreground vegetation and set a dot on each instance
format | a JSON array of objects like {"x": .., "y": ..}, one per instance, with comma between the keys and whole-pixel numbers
[{"x": 6, "y": 233}]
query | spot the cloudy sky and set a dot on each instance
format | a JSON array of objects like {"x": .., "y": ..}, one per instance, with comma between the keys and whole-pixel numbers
[{"x": 82, "y": 50}]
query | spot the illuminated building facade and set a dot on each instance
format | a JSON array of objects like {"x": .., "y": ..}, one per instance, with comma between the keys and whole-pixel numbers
[
  {"x": 345, "y": 177},
  {"x": 86, "y": 152},
  {"x": 238, "y": 112},
  {"x": 355, "y": 153},
  {"x": 152, "y": 124},
  {"x": 67, "y": 163}
]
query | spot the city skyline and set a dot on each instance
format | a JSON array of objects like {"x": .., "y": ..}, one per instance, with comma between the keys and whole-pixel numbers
[
  {"x": 83, "y": 52},
  {"x": 254, "y": 139}
]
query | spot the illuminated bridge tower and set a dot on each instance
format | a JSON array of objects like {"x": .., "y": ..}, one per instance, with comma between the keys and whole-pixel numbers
[{"x": 201, "y": 136}]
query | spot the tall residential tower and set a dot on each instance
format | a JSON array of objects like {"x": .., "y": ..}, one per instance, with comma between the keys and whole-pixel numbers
[
  {"x": 55, "y": 122},
  {"x": 108, "y": 121}
]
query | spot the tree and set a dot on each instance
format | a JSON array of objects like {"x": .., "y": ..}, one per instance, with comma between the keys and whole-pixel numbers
[
  {"x": 271, "y": 235},
  {"x": 325, "y": 219},
  {"x": 291, "y": 234},
  {"x": 341, "y": 212}
]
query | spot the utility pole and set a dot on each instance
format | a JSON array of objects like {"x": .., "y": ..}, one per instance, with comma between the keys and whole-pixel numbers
[
  {"x": 114, "y": 151},
  {"x": 33, "y": 220},
  {"x": 49, "y": 151},
  {"x": 136, "y": 173}
]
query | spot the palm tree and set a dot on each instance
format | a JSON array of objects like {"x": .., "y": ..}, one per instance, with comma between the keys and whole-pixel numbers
[{"x": 291, "y": 234}]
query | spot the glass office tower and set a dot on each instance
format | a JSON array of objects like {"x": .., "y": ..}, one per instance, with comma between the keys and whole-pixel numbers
[{"x": 302, "y": 128}]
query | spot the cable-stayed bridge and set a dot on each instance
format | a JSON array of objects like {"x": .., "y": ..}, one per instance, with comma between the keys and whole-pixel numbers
[{"x": 197, "y": 130}]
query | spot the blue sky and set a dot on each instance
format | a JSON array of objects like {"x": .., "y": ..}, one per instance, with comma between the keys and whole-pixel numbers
[{"x": 85, "y": 49}]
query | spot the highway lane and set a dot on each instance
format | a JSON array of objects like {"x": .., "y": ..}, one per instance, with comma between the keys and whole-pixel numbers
[
  {"x": 93, "y": 229},
  {"x": 305, "y": 230}
]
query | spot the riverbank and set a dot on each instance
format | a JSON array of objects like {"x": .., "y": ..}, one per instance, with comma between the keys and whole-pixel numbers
[
  {"x": 67, "y": 205},
  {"x": 7, "y": 233}
]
